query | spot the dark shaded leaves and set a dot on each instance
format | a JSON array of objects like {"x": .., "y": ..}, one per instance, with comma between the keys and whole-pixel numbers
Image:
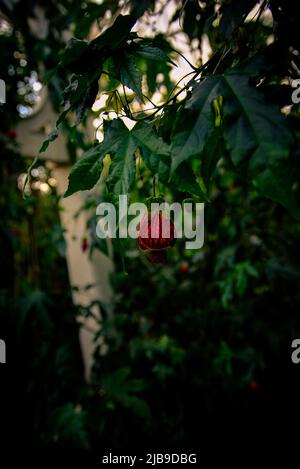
[
  {"x": 86, "y": 171},
  {"x": 51, "y": 137},
  {"x": 233, "y": 14},
  {"x": 130, "y": 75}
]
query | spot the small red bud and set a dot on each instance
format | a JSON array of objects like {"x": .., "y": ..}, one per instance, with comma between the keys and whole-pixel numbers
[
  {"x": 84, "y": 244},
  {"x": 11, "y": 133},
  {"x": 184, "y": 267},
  {"x": 254, "y": 386}
]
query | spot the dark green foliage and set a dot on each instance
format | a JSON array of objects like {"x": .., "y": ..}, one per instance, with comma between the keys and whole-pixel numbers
[
  {"x": 224, "y": 99},
  {"x": 207, "y": 336},
  {"x": 199, "y": 337},
  {"x": 122, "y": 145}
]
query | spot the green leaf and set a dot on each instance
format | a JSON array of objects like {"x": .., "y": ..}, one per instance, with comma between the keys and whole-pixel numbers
[
  {"x": 233, "y": 13},
  {"x": 116, "y": 35},
  {"x": 157, "y": 164},
  {"x": 255, "y": 132},
  {"x": 86, "y": 171},
  {"x": 70, "y": 426},
  {"x": 138, "y": 405},
  {"x": 86, "y": 102},
  {"x": 80, "y": 57},
  {"x": 223, "y": 360},
  {"x": 242, "y": 271},
  {"x": 121, "y": 388},
  {"x": 155, "y": 152},
  {"x": 153, "y": 69},
  {"x": 184, "y": 180},
  {"x": 121, "y": 144},
  {"x": 276, "y": 184},
  {"x": 73, "y": 95},
  {"x": 190, "y": 26},
  {"x": 83, "y": 22},
  {"x": 87, "y": 60},
  {"x": 130, "y": 75},
  {"x": 74, "y": 49},
  {"x": 253, "y": 128},
  {"x": 151, "y": 52},
  {"x": 51, "y": 137},
  {"x": 199, "y": 122},
  {"x": 146, "y": 137},
  {"x": 226, "y": 288},
  {"x": 81, "y": 92},
  {"x": 212, "y": 153},
  {"x": 123, "y": 168},
  {"x": 225, "y": 259},
  {"x": 114, "y": 102}
]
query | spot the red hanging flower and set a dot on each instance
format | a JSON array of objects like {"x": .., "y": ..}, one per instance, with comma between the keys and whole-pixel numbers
[{"x": 156, "y": 235}]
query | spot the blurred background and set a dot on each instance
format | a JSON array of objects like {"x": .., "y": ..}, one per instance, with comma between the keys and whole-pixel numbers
[{"x": 161, "y": 353}]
